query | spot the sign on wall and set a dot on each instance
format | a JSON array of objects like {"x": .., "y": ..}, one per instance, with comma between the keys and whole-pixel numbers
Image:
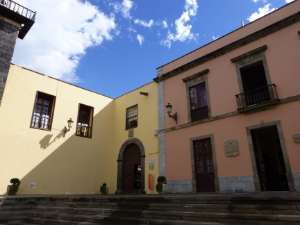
[
  {"x": 231, "y": 148},
  {"x": 296, "y": 138}
]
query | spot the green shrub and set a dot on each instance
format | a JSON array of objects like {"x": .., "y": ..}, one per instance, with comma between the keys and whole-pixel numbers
[
  {"x": 15, "y": 181},
  {"x": 161, "y": 179},
  {"x": 103, "y": 188},
  {"x": 159, "y": 187}
]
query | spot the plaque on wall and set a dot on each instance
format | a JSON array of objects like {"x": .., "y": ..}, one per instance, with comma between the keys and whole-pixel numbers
[
  {"x": 151, "y": 167},
  {"x": 130, "y": 133},
  {"x": 296, "y": 138},
  {"x": 231, "y": 148}
]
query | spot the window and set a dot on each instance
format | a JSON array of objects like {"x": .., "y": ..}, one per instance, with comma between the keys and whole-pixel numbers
[
  {"x": 43, "y": 111},
  {"x": 256, "y": 89},
  {"x": 197, "y": 96},
  {"x": 198, "y": 102},
  {"x": 131, "y": 117},
  {"x": 85, "y": 121}
]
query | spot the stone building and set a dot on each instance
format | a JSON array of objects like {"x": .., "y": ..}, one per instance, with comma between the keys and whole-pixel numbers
[
  {"x": 223, "y": 118},
  {"x": 58, "y": 138},
  {"x": 235, "y": 103},
  {"x": 110, "y": 140}
]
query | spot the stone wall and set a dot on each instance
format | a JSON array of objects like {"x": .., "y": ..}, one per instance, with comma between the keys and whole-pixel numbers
[{"x": 8, "y": 37}]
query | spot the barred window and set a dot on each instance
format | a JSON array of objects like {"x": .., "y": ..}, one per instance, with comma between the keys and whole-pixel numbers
[
  {"x": 198, "y": 102},
  {"x": 85, "y": 121},
  {"x": 43, "y": 111},
  {"x": 131, "y": 117}
]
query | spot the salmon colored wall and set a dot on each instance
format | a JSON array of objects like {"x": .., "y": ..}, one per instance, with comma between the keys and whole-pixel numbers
[
  {"x": 283, "y": 66},
  {"x": 178, "y": 160},
  {"x": 282, "y": 56}
]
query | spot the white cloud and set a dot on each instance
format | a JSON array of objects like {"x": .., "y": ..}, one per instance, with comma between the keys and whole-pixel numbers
[
  {"x": 256, "y": 1},
  {"x": 123, "y": 7},
  {"x": 215, "y": 37},
  {"x": 261, "y": 12},
  {"x": 60, "y": 36},
  {"x": 140, "y": 38},
  {"x": 21, "y": 2},
  {"x": 165, "y": 24},
  {"x": 144, "y": 23},
  {"x": 191, "y": 6},
  {"x": 182, "y": 26},
  {"x": 131, "y": 29},
  {"x": 289, "y": 1}
]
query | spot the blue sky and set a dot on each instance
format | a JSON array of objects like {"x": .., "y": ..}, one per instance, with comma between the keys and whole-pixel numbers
[{"x": 114, "y": 46}]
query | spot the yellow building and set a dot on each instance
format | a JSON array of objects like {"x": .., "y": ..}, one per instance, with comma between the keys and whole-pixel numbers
[{"x": 111, "y": 141}]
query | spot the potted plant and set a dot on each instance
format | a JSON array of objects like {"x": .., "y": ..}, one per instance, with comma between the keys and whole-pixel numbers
[
  {"x": 161, "y": 184},
  {"x": 14, "y": 187},
  {"x": 104, "y": 189}
]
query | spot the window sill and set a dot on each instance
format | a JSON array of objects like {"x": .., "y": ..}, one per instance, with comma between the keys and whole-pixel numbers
[
  {"x": 83, "y": 136},
  {"x": 37, "y": 128}
]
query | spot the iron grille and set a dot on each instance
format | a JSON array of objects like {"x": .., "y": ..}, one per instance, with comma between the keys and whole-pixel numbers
[{"x": 257, "y": 96}]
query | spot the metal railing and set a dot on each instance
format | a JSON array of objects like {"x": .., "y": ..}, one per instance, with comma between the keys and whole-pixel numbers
[
  {"x": 199, "y": 114},
  {"x": 13, "y": 6},
  {"x": 256, "y": 96},
  {"x": 84, "y": 131}
]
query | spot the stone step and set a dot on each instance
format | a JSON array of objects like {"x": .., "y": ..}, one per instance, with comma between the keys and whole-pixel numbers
[
  {"x": 209, "y": 208},
  {"x": 122, "y": 221},
  {"x": 254, "y": 209},
  {"x": 166, "y": 215}
]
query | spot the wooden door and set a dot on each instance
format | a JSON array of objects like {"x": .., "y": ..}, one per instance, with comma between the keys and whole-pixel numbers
[
  {"x": 131, "y": 158},
  {"x": 204, "y": 166}
]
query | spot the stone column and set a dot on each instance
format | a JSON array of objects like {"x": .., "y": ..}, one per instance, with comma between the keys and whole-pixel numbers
[{"x": 8, "y": 36}]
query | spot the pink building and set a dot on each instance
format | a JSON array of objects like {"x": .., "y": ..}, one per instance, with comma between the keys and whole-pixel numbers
[{"x": 234, "y": 124}]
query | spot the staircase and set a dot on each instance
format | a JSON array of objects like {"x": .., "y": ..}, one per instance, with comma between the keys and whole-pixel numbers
[{"x": 205, "y": 209}]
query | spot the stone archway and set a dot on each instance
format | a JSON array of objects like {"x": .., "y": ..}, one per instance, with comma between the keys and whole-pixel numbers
[{"x": 120, "y": 162}]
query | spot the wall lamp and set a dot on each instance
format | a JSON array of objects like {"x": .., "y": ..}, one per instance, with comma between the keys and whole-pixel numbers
[
  {"x": 70, "y": 121},
  {"x": 169, "y": 110}
]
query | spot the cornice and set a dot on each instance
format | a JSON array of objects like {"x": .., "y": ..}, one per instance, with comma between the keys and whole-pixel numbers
[
  {"x": 194, "y": 76},
  {"x": 232, "y": 46},
  {"x": 248, "y": 54}
]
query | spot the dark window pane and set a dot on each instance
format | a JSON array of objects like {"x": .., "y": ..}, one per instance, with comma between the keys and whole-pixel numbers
[{"x": 198, "y": 102}]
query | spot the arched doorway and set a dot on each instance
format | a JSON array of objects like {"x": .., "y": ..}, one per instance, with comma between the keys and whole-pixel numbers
[{"x": 131, "y": 167}]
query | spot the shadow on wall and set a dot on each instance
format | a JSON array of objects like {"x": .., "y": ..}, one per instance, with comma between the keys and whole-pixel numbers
[
  {"x": 76, "y": 166},
  {"x": 45, "y": 141}
]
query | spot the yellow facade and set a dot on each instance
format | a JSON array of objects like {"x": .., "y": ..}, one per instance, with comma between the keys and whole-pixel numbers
[
  {"x": 55, "y": 162},
  {"x": 144, "y": 132}
]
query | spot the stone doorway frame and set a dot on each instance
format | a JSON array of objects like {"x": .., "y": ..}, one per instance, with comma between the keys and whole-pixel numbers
[
  {"x": 213, "y": 148},
  {"x": 120, "y": 162},
  {"x": 289, "y": 175}
]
